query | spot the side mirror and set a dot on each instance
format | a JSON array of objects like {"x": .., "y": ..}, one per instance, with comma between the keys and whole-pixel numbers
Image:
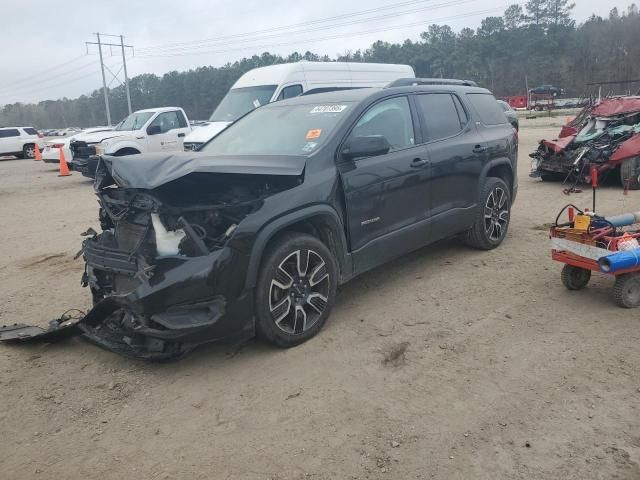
[
  {"x": 369, "y": 146},
  {"x": 154, "y": 130}
]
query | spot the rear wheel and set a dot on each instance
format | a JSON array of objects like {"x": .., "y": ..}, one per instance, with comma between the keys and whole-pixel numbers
[
  {"x": 29, "y": 151},
  {"x": 630, "y": 173},
  {"x": 626, "y": 290},
  {"x": 296, "y": 290},
  {"x": 492, "y": 219},
  {"x": 575, "y": 278}
]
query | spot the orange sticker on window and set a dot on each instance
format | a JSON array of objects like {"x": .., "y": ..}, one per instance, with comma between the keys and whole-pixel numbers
[{"x": 311, "y": 134}]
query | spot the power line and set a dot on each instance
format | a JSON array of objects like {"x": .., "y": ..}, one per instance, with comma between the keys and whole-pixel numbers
[
  {"x": 310, "y": 22},
  {"x": 51, "y": 77},
  {"x": 321, "y": 39},
  {"x": 65, "y": 82},
  {"x": 48, "y": 70},
  {"x": 378, "y": 18}
]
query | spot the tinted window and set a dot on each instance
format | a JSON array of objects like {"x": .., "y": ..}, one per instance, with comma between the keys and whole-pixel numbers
[
  {"x": 10, "y": 132},
  {"x": 290, "y": 92},
  {"x": 390, "y": 118},
  {"x": 461, "y": 111},
  {"x": 30, "y": 131},
  {"x": 166, "y": 121},
  {"x": 440, "y": 115},
  {"x": 488, "y": 108}
]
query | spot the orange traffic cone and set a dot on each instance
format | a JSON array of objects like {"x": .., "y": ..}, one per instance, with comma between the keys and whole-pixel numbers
[
  {"x": 64, "y": 168},
  {"x": 36, "y": 150}
]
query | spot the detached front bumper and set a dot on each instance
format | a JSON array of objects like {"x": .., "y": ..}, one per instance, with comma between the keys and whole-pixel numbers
[{"x": 159, "y": 312}]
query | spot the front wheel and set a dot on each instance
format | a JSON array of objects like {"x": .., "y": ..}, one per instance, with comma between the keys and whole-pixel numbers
[
  {"x": 575, "y": 278},
  {"x": 296, "y": 290},
  {"x": 29, "y": 151},
  {"x": 492, "y": 220},
  {"x": 626, "y": 290}
]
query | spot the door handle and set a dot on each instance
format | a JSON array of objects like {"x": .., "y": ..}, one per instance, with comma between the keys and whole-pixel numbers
[
  {"x": 479, "y": 149},
  {"x": 419, "y": 162},
  {"x": 181, "y": 135}
]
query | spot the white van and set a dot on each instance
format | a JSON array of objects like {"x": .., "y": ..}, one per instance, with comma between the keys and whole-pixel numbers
[{"x": 278, "y": 82}]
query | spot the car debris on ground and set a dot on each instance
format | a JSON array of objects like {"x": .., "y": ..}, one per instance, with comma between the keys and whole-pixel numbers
[{"x": 603, "y": 138}]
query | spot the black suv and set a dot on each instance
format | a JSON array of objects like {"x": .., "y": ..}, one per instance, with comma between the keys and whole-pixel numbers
[{"x": 254, "y": 233}]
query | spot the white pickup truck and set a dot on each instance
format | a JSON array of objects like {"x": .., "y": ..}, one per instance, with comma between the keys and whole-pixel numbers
[{"x": 150, "y": 130}]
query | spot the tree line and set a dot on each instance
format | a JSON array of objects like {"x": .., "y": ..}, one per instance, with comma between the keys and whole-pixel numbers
[{"x": 538, "y": 44}]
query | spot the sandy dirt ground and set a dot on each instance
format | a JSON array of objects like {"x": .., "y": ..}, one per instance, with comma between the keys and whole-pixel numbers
[{"x": 448, "y": 363}]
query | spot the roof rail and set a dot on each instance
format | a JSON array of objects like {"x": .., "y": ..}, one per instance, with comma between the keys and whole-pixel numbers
[{"x": 408, "y": 82}]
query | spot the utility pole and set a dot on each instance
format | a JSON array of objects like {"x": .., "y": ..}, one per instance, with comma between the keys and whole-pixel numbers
[
  {"x": 104, "y": 82},
  {"x": 126, "y": 78},
  {"x": 122, "y": 46}
]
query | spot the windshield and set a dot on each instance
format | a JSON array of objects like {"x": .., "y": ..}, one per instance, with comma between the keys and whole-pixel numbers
[
  {"x": 279, "y": 130},
  {"x": 135, "y": 121},
  {"x": 240, "y": 101}
]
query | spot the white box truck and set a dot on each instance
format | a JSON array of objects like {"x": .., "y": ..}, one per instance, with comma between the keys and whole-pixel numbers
[{"x": 278, "y": 82}]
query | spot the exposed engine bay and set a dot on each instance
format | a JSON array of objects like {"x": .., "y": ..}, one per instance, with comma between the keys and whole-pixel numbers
[{"x": 161, "y": 271}]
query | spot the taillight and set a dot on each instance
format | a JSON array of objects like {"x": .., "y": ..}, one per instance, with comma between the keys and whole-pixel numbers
[{"x": 39, "y": 135}]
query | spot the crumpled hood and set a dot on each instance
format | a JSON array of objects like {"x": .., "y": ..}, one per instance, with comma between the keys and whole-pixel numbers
[
  {"x": 100, "y": 136},
  {"x": 151, "y": 170},
  {"x": 206, "y": 132}
]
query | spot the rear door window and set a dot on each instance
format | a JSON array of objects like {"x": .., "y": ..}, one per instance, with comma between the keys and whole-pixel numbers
[
  {"x": 9, "y": 132},
  {"x": 488, "y": 109},
  {"x": 440, "y": 116}
]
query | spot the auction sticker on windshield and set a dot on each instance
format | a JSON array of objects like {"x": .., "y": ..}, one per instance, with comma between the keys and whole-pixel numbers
[
  {"x": 314, "y": 133},
  {"x": 328, "y": 109}
]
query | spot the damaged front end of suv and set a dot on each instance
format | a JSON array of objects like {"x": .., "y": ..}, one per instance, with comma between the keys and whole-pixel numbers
[{"x": 167, "y": 270}]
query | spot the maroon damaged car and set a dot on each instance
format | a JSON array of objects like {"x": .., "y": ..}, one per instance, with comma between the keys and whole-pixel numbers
[{"x": 605, "y": 136}]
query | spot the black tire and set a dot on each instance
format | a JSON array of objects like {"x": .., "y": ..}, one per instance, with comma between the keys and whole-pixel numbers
[
  {"x": 490, "y": 228},
  {"x": 575, "y": 278},
  {"x": 29, "y": 151},
  {"x": 272, "y": 300},
  {"x": 630, "y": 173},
  {"x": 552, "y": 177},
  {"x": 626, "y": 290}
]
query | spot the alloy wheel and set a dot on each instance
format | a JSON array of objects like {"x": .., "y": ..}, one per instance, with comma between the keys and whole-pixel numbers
[
  {"x": 496, "y": 214},
  {"x": 30, "y": 151},
  {"x": 299, "y": 291}
]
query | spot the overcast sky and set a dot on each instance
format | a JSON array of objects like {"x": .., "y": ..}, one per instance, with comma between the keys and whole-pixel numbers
[{"x": 56, "y": 34}]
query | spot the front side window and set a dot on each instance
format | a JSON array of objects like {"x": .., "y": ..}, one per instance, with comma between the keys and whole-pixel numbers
[
  {"x": 240, "y": 101},
  {"x": 166, "y": 121},
  {"x": 9, "y": 132},
  {"x": 440, "y": 115},
  {"x": 391, "y": 119},
  {"x": 279, "y": 129},
  {"x": 290, "y": 92},
  {"x": 135, "y": 121}
]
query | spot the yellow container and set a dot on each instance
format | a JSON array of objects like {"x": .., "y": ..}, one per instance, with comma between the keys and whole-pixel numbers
[{"x": 582, "y": 222}]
